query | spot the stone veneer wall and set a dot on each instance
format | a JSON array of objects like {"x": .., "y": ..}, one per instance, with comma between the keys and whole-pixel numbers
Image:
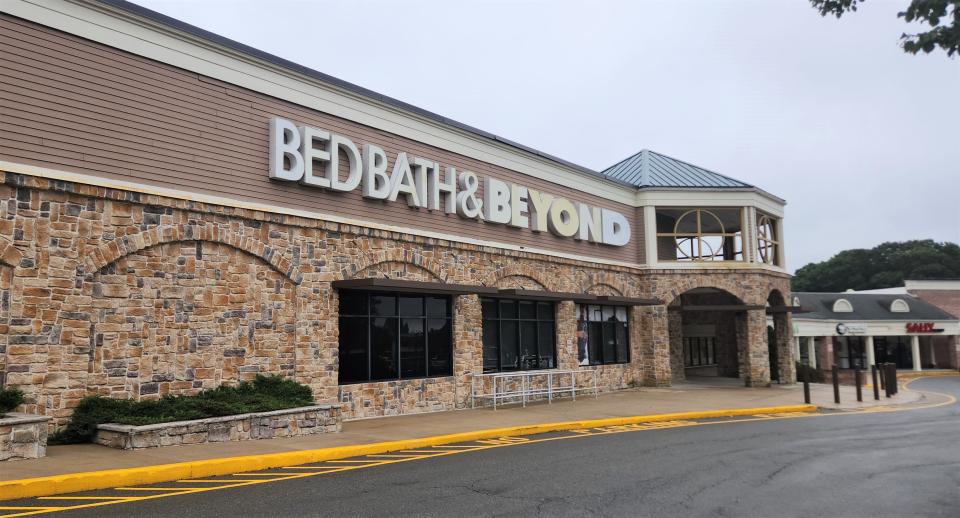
[
  {"x": 132, "y": 295},
  {"x": 291, "y": 422},
  {"x": 23, "y": 436}
]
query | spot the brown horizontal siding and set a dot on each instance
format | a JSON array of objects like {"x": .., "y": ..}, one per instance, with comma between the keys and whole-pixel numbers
[{"x": 75, "y": 105}]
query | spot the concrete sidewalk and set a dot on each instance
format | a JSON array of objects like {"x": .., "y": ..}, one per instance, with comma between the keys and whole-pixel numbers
[{"x": 704, "y": 395}]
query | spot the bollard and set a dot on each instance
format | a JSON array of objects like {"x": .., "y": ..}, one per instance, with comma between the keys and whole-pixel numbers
[
  {"x": 892, "y": 380},
  {"x": 858, "y": 379},
  {"x": 883, "y": 376},
  {"x": 806, "y": 385},
  {"x": 835, "y": 372},
  {"x": 886, "y": 378},
  {"x": 876, "y": 386}
]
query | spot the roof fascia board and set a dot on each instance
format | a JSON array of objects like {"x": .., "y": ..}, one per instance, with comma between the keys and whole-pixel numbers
[
  {"x": 120, "y": 29},
  {"x": 709, "y": 197}
]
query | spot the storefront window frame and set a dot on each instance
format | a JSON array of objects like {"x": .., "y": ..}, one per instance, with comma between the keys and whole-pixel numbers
[
  {"x": 768, "y": 240},
  {"x": 370, "y": 316},
  {"x": 538, "y": 322},
  {"x": 699, "y": 351},
  {"x": 584, "y": 348},
  {"x": 692, "y": 246}
]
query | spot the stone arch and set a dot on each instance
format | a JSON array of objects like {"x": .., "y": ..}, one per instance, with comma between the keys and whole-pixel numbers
[
  {"x": 523, "y": 282},
  {"x": 158, "y": 331},
  {"x": 113, "y": 251},
  {"x": 376, "y": 258},
  {"x": 399, "y": 269},
  {"x": 673, "y": 290},
  {"x": 776, "y": 298},
  {"x": 10, "y": 255},
  {"x": 603, "y": 288},
  {"x": 519, "y": 271},
  {"x": 605, "y": 283}
]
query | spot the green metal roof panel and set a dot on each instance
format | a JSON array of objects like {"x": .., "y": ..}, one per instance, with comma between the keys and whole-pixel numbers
[{"x": 650, "y": 169}]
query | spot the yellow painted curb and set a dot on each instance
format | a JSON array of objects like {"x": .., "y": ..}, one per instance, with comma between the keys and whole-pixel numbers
[{"x": 92, "y": 480}]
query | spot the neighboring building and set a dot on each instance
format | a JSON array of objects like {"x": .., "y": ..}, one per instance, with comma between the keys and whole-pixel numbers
[
  {"x": 859, "y": 329},
  {"x": 180, "y": 211}
]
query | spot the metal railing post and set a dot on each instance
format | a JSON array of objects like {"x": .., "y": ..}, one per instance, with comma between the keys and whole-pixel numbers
[{"x": 876, "y": 386}]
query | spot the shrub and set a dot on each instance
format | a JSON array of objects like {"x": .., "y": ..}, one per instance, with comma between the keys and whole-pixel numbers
[
  {"x": 806, "y": 372},
  {"x": 263, "y": 394},
  {"x": 10, "y": 398}
]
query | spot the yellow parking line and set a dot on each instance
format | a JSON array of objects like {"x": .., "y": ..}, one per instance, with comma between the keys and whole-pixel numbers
[
  {"x": 328, "y": 468},
  {"x": 125, "y": 498},
  {"x": 167, "y": 489},
  {"x": 257, "y": 475},
  {"x": 227, "y": 481},
  {"x": 392, "y": 456}
]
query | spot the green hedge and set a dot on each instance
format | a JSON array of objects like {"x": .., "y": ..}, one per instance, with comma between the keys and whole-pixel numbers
[
  {"x": 10, "y": 398},
  {"x": 263, "y": 394}
]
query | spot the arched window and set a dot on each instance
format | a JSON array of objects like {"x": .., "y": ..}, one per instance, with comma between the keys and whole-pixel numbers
[
  {"x": 842, "y": 306},
  {"x": 768, "y": 242},
  {"x": 899, "y": 306},
  {"x": 685, "y": 234}
]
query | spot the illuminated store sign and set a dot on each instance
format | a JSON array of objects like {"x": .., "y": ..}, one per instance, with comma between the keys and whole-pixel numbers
[
  {"x": 922, "y": 327},
  {"x": 312, "y": 157}
]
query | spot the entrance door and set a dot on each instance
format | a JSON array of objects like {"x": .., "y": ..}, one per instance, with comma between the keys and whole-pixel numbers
[{"x": 774, "y": 355}]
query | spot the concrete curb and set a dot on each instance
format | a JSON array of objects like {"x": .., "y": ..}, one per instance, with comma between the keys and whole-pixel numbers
[{"x": 93, "y": 480}]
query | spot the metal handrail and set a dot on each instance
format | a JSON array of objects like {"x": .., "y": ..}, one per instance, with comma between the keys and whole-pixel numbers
[{"x": 526, "y": 390}]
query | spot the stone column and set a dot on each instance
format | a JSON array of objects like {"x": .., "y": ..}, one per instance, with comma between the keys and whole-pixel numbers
[
  {"x": 787, "y": 366},
  {"x": 653, "y": 346},
  {"x": 796, "y": 348},
  {"x": 566, "y": 345},
  {"x": 871, "y": 355},
  {"x": 812, "y": 352},
  {"x": 933, "y": 352},
  {"x": 675, "y": 326},
  {"x": 467, "y": 345},
  {"x": 915, "y": 349},
  {"x": 752, "y": 341},
  {"x": 826, "y": 354}
]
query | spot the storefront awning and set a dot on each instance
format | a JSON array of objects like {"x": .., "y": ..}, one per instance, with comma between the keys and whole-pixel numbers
[
  {"x": 515, "y": 293},
  {"x": 628, "y": 301},
  {"x": 786, "y": 309},
  {"x": 720, "y": 307},
  {"x": 436, "y": 288}
]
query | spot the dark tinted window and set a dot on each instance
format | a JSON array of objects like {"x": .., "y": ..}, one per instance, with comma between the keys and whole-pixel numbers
[
  {"x": 518, "y": 335},
  {"x": 388, "y": 336},
  {"x": 603, "y": 334}
]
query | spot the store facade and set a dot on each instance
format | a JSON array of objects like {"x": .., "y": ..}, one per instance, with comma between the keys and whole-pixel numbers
[
  {"x": 182, "y": 211},
  {"x": 855, "y": 330}
]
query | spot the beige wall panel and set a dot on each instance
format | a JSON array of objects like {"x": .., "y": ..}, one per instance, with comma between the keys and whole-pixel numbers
[{"x": 71, "y": 104}]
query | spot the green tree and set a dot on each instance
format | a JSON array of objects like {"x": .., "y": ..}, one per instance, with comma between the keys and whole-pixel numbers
[
  {"x": 884, "y": 266},
  {"x": 946, "y": 36}
]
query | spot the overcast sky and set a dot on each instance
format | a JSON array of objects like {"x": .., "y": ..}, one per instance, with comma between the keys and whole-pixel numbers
[{"x": 861, "y": 139}]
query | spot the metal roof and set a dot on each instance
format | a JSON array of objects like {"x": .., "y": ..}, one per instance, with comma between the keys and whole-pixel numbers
[
  {"x": 866, "y": 306},
  {"x": 650, "y": 169}
]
